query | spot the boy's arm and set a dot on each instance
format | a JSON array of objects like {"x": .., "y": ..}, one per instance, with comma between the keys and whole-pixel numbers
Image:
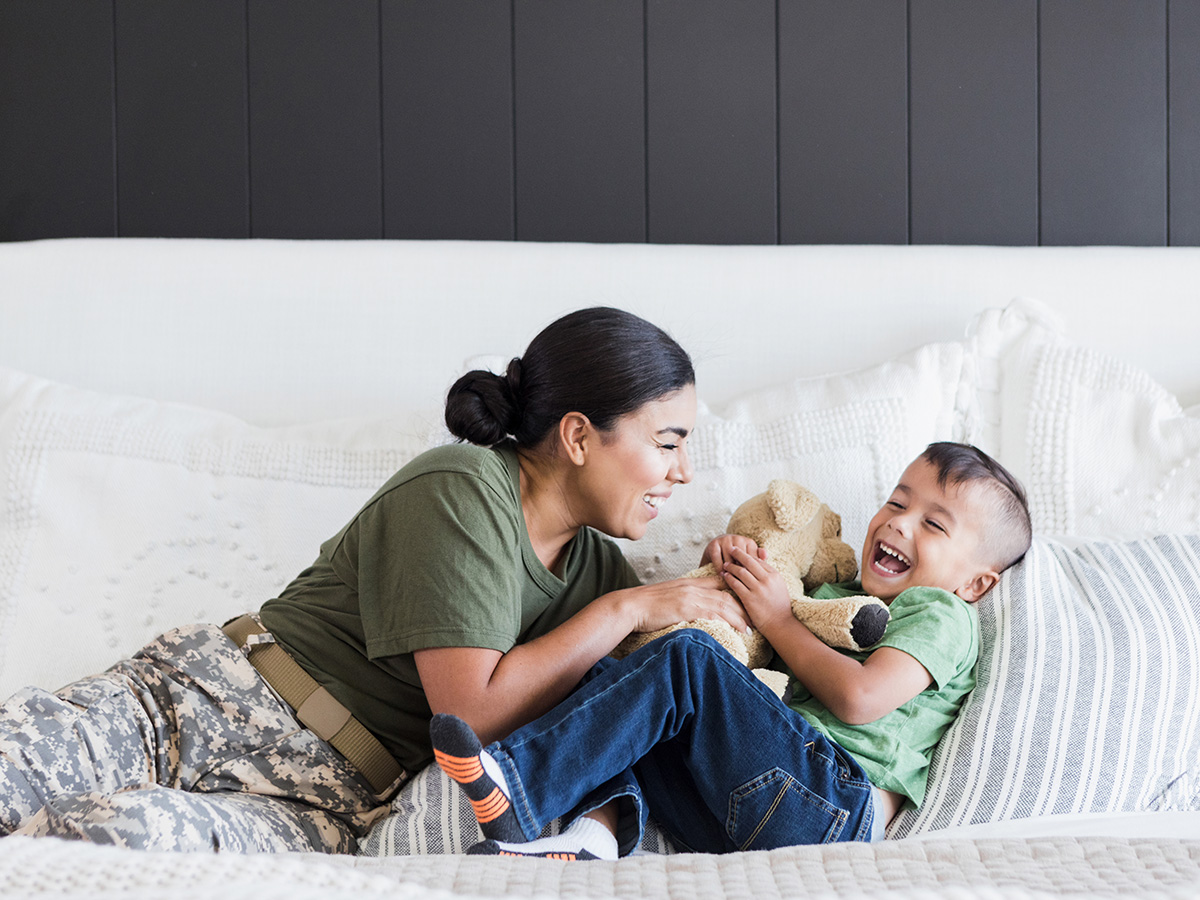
[{"x": 857, "y": 693}]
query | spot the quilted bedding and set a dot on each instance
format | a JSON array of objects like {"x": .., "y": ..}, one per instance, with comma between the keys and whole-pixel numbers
[{"x": 1001, "y": 868}]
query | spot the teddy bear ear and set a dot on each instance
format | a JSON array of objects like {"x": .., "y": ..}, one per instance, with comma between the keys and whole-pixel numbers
[
  {"x": 792, "y": 504},
  {"x": 831, "y": 526}
]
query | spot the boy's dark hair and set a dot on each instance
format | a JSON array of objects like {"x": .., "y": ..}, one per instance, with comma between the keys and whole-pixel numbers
[
  {"x": 1009, "y": 532},
  {"x": 602, "y": 362}
]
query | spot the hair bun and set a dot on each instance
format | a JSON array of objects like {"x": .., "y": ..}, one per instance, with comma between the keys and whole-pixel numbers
[{"x": 481, "y": 407}]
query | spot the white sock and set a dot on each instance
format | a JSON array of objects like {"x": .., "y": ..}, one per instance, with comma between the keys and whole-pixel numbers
[
  {"x": 492, "y": 769},
  {"x": 583, "y": 834}
]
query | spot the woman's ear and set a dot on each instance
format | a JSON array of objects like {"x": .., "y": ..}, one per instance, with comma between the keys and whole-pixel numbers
[{"x": 575, "y": 434}]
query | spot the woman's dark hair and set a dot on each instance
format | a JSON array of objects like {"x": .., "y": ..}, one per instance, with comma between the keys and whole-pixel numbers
[{"x": 601, "y": 362}]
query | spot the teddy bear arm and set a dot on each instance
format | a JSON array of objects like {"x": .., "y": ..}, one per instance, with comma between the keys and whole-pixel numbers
[{"x": 849, "y": 623}]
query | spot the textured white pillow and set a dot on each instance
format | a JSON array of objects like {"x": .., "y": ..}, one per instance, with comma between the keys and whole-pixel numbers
[
  {"x": 847, "y": 437},
  {"x": 1102, "y": 449},
  {"x": 123, "y": 517},
  {"x": 1085, "y": 702}
]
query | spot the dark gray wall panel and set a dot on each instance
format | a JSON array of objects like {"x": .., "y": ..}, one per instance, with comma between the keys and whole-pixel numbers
[
  {"x": 1184, "y": 30},
  {"x": 56, "y": 109},
  {"x": 843, "y": 122},
  {"x": 580, "y": 113},
  {"x": 181, "y": 118},
  {"x": 1103, "y": 122},
  {"x": 710, "y": 121},
  {"x": 973, "y": 101},
  {"x": 447, "y": 119},
  {"x": 711, "y": 134},
  {"x": 314, "y": 119}
]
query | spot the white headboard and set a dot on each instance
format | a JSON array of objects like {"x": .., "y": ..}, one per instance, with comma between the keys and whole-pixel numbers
[{"x": 281, "y": 331}]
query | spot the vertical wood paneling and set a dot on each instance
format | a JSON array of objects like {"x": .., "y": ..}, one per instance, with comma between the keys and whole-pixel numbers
[
  {"x": 447, "y": 119},
  {"x": 580, "y": 113},
  {"x": 314, "y": 119},
  {"x": 706, "y": 121},
  {"x": 181, "y": 118},
  {"x": 56, "y": 115},
  {"x": 1184, "y": 31},
  {"x": 973, "y": 122},
  {"x": 843, "y": 122},
  {"x": 711, "y": 113},
  {"x": 1103, "y": 122}
]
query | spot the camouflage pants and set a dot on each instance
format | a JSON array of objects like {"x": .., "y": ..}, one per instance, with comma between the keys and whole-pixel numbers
[{"x": 182, "y": 747}]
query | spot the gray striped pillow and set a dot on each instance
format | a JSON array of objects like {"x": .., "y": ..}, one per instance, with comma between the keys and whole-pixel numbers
[
  {"x": 1088, "y": 675},
  {"x": 432, "y": 815}
]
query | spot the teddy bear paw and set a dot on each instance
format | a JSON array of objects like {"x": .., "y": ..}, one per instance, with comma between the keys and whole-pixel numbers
[{"x": 868, "y": 624}]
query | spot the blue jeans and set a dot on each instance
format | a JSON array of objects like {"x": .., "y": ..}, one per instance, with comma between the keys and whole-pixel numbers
[{"x": 684, "y": 731}]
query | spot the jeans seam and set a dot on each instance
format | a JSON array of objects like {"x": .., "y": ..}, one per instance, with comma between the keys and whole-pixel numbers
[{"x": 516, "y": 789}]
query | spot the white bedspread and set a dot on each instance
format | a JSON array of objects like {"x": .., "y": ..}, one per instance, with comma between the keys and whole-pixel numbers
[{"x": 1041, "y": 867}]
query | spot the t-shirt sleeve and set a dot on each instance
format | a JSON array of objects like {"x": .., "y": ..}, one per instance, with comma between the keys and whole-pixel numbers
[
  {"x": 436, "y": 562},
  {"x": 933, "y": 627}
]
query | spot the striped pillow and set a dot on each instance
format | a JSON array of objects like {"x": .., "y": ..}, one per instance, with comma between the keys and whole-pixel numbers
[
  {"x": 431, "y": 814},
  {"x": 1085, "y": 701}
]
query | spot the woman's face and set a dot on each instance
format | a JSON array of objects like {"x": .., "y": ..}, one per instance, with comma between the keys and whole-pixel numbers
[{"x": 632, "y": 471}]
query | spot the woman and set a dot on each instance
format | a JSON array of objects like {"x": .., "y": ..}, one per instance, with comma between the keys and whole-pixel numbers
[{"x": 474, "y": 583}]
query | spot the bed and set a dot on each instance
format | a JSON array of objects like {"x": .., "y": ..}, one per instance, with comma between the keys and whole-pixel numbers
[{"x": 182, "y": 421}]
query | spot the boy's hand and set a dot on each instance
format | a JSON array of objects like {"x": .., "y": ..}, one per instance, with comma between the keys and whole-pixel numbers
[
  {"x": 720, "y": 549},
  {"x": 759, "y": 586}
]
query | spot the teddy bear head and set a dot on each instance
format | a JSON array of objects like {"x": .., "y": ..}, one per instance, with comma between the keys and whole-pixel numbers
[{"x": 802, "y": 536}]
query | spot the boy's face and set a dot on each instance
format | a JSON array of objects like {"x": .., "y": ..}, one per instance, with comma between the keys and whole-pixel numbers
[{"x": 930, "y": 536}]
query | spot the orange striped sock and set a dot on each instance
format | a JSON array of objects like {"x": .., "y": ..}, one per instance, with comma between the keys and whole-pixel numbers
[{"x": 458, "y": 752}]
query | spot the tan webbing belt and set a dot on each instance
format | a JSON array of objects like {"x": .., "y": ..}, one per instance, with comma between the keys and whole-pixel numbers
[{"x": 316, "y": 708}]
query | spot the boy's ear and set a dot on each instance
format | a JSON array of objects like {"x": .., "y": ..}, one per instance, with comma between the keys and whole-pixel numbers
[
  {"x": 978, "y": 586},
  {"x": 575, "y": 434}
]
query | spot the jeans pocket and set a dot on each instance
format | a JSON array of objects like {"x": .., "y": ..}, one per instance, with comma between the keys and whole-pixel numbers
[{"x": 775, "y": 810}]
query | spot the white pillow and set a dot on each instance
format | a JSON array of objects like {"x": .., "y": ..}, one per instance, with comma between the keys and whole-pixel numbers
[
  {"x": 1085, "y": 702},
  {"x": 1102, "y": 449},
  {"x": 124, "y": 517},
  {"x": 847, "y": 437},
  {"x": 431, "y": 814}
]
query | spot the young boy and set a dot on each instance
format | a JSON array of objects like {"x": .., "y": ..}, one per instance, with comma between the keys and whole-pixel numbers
[{"x": 684, "y": 731}]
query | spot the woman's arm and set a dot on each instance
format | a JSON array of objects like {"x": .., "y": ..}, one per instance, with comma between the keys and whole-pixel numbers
[
  {"x": 857, "y": 693},
  {"x": 497, "y": 692}
]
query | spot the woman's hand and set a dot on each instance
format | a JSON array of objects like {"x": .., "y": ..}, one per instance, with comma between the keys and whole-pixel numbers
[
  {"x": 720, "y": 549},
  {"x": 759, "y": 586},
  {"x": 654, "y": 606}
]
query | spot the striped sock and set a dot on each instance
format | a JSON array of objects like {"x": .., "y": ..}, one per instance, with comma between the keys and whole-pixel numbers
[
  {"x": 584, "y": 839},
  {"x": 457, "y": 750}
]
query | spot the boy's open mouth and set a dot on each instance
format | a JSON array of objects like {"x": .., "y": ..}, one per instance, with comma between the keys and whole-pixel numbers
[{"x": 889, "y": 561}]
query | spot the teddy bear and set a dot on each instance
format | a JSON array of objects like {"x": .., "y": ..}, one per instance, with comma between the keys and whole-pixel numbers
[{"x": 803, "y": 540}]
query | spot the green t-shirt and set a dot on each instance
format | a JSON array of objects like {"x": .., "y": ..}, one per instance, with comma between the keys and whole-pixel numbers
[
  {"x": 439, "y": 557},
  {"x": 941, "y": 632}
]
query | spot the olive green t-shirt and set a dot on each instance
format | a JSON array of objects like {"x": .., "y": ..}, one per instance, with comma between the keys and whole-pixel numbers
[
  {"x": 941, "y": 632},
  {"x": 439, "y": 557}
]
